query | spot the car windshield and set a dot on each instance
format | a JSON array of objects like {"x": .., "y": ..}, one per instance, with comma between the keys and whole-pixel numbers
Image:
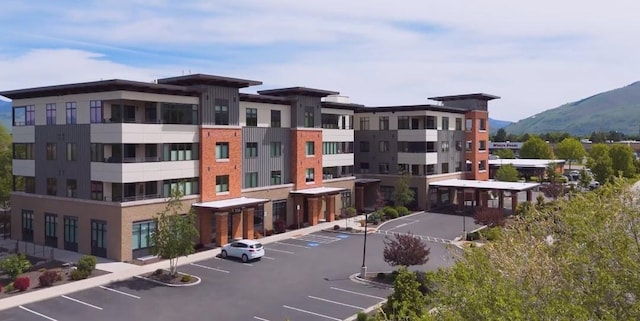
[{"x": 256, "y": 246}]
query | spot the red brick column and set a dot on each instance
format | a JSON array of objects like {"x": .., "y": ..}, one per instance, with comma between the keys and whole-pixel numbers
[
  {"x": 222, "y": 221},
  {"x": 514, "y": 201},
  {"x": 359, "y": 198},
  {"x": 236, "y": 227},
  {"x": 331, "y": 207},
  {"x": 314, "y": 210},
  {"x": 247, "y": 223},
  {"x": 204, "y": 216}
]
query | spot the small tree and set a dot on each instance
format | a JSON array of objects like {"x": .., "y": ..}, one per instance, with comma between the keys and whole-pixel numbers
[
  {"x": 571, "y": 150},
  {"x": 489, "y": 216},
  {"x": 15, "y": 265},
  {"x": 406, "y": 302},
  {"x": 507, "y": 173},
  {"x": 348, "y": 213},
  {"x": 402, "y": 194},
  {"x": 536, "y": 148},
  {"x": 175, "y": 234},
  {"x": 505, "y": 153},
  {"x": 585, "y": 178},
  {"x": 405, "y": 250}
]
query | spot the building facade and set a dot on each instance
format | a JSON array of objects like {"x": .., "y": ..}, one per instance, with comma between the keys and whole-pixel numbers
[{"x": 95, "y": 162}]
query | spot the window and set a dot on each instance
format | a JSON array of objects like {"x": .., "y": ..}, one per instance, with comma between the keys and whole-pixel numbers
[
  {"x": 386, "y": 192},
  {"x": 458, "y": 145},
  {"x": 330, "y": 121},
  {"x": 345, "y": 197},
  {"x": 364, "y": 123},
  {"x": 403, "y": 168},
  {"x": 175, "y": 152},
  {"x": 171, "y": 113},
  {"x": 51, "y": 114},
  {"x": 458, "y": 123},
  {"x": 384, "y": 123},
  {"x": 276, "y": 149},
  {"x": 310, "y": 148},
  {"x": 364, "y": 147},
  {"x": 52, "y": 186},
  {"x": 222, "y": 183},
  {"x": 309, "y": 175},
  {"x": 51, "y": 151},
  {"x": 482, "y": 165},
  {"x": 23, "y": 151},
  {"x": 469, "y": 124},
  {"x": 403, "y": 122},
  {"x": 71, "y": 152},
  {"x": 71, "y": 112},
  {"x": 71, "y": 233},
  {"x": 383, "y": 146},
  {"x": 96, "y": 191},
  {"x": 430, "y": 169},
  {"x": 141, "y": 233},
  {"x": 95, "y": 109},
  {"x": 97, "y": 152},
  {"x": 222, "y": 150},
  {"x": 24, "y": 116},
  {"x": 71, "y": 188},
  {"x": 431, "y": 147},
  {"x": 432, "y": 122},
  {"x": 27, "y": 225},
  {"x": 415, "y": 170},
  {"x": 51, "y": 230},
  {"x": 444, "y": 146},
  {"x": 276, "y": 177},
  {"x": 445, "y": 168},
  {"x": 188, "y": 186},
  {"x": 221, "y": 110},
  {"x": 364, "y": 168},
  {"x": 252, "y": 117},
  {"x": 251, "y": 150},
  {"x": 469, "y": 146},
  {"x": 251, "y": 180},
  {"x": 482, "y": 145},
  {"x": 30, "y": 115},
  {"x": 309, "y": 121},
  {"x": 468, "y": 166},
  {"x": 99, "y": 238},
  {"x": 445, "y": 123},
  {"x": 279, "y": 211},
  {"x": 276, "y": 121},
  {"x": 483, "y": 124},
  {"x": 383, "y": 168}
]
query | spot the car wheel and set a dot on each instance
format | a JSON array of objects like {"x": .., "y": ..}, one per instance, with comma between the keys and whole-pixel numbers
[
  {"x": 245, "y": 258},
  {"x": 223, "y": 254}
]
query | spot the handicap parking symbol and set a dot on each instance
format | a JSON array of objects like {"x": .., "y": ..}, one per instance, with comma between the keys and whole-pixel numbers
[
  {"x": 313, "y": 244},
  {"x": 342, "y": 236}
]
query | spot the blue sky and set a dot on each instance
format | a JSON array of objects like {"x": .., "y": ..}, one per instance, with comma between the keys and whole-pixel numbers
[{"x": 535, "y": 56}]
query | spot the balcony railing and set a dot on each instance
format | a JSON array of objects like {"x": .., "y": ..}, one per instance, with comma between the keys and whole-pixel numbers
[{"x": 131, "y": 198}]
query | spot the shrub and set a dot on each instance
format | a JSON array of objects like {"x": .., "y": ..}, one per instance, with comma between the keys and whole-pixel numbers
[
  {"x": 533, "y": 178},
  {"x": 473, "y": 236},
  {"x": 78, "y": 274},
  {"x": 489, "y": 216},
  {"x": 381, "y": 276},
  {"x": 279, "y": 226},
  {"x": 362, "y": 316},
  {"x": 22, "y": 283},
  {"x": 185, "y": 278},
  {"x": 426, "y": 280},
  {"x": 349, "y": 228},
  {"x": 47, "y": 278},
  {"x": 406, "y": 250},
  {"x": 158, "y": 272},
  {"x": 402, "y": 211},
  {"x": 42, "y": 270},
  {"x": 257, "y": 235},
  {"x": 492, "y": 234},
  {"x": 87, "y": 263},
  {"x": 390, "y": 212},
  {"x": 9, "y": 288},
  {"x": 336, "y": 227},
  {"x": 14, "y": 265},
  {"x": 269, "y": 232}
]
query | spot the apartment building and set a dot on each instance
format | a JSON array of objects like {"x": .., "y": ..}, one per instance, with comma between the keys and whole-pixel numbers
[{"x": 95, "y": 162}]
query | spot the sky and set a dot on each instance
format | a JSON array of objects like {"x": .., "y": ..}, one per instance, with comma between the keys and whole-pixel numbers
[{"x": 535, "y": 55}]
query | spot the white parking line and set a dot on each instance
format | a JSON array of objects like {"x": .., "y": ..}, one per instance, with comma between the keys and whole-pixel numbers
[
  {"x": 338, "y": 303},
  {"x": 82, "y": 302},
  {"x": 268, "y": 258},
  {"x": 296, "y": 245},
  {"x": 283, "y": 251},
  {"x": 116, "y": 291},
  {"x": 259, "y": 318},
  {"x": 247, "y": 264},
  {"x": 312, "y": 313},
  {"x": 358, "y": 293},
  {"x": 37, "y": 313},
  {"x": 209, "y": 268}
]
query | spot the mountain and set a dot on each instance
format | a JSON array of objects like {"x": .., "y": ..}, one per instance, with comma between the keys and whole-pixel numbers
[
  {"x": 495, "y": 124},
  {"x": 5, "y": 114},
  {"x": 614, "y": 110}
]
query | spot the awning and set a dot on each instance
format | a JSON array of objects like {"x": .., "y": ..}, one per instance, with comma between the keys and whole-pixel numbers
[
  {"x": 488, "y": 185},
  {"x": 319, "y": 191},
  {"x": 231, "y": 203},
  {"x": 365, "y": 181}
]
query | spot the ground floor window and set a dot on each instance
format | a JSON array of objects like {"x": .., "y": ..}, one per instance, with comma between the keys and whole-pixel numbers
[
  {"x": 141, "y": 233},
  {"x": 71, "y": 233},
  {"x": 345, "y": 197},
  {"x": 279, "y": 216},
  {"x": 51, "y": 230},
  {"x": 27, "y": 225},
  {"x": 258, "y": 219},
  {"x": 99, "y": 238}
]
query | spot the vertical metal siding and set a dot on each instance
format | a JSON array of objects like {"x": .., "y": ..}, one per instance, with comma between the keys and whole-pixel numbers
[
  {"x": 264, "y": 163},
  {"x": 298, "y": 107},
  {"x": 208, "y": 100}
]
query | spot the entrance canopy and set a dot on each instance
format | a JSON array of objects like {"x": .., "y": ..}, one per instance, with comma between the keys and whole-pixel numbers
[
  {"x": 231, "y": 203},
  {"x": 319, "y": 191},
  {"x": 486, "y": 185}
]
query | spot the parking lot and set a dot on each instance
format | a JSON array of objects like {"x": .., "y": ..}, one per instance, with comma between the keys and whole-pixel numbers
[{"x": 302, "y": 278}]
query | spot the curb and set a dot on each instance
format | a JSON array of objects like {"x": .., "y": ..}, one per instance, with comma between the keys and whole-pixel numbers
[
  {"x": 198, "y": 280},
  {"x": 401, "y": 217},
  {"x": 357, "y": 279}
]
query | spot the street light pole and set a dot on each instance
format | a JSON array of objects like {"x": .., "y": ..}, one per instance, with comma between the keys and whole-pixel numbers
[
  {"x": 298, "y": 214},
  {"x": 464, "y": 226},
  {"x": 363, "y": 268}
]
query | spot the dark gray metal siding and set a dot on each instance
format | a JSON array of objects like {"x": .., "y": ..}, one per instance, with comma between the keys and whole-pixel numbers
[
  {"x": 298, "y": 107},
  {"x": 374, "y": 157},
  {"x": 264, "y": 163},
  {"x": 61, "y": 169},
  {"x": 208, "y": 100},
  {"x": 453, "y": 157},
  {"x": 470, "y": 104}
]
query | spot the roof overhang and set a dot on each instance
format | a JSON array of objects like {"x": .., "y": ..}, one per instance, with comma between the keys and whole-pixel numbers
[
  {"x": 204, "y": 79},
  {"x": 366, "y": 181},
  {"x": 231, "y": 203},
  {"x": 526, "y": 163},
  {"x": 298, "y": 91},
  {"x": 479, "y": 96},
  {"x": 319, "y": 191},
  {"x": 485, "y": 185}
]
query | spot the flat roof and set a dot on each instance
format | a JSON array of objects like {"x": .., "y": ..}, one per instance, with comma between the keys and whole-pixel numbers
[
  {"x": 231, "y": 203},
  {"x": 525, "y": 162},
  {"x": 318, "y": 190},
  {"x": 298, "y": 91},
  {"x": 99, "y": 86},
  {"x": 204, "y": 79},
  {"x": 264, "y": 99},
  {"x": 410, "y": 108},
  {"x": 494, "y": 185},
  {"x": 480, "y": 96},
  {"x": 336, "y": 105}
]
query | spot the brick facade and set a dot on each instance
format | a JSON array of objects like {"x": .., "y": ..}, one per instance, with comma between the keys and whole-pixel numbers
[
  {"x": 300, "y": 161},
  {"x": 210, "y": 167}
]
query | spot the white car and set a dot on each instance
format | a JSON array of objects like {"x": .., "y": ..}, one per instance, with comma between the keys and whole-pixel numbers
[{"x": 246, "y": 250}]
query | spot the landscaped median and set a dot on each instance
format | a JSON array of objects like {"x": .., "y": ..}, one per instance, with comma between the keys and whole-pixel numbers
[{"x": 164, "y": 277}]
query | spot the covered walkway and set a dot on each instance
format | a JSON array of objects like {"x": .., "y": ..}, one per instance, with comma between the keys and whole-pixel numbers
[{"x": 233, "y": 219}]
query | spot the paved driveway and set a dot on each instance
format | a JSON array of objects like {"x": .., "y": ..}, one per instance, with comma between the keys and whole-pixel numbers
[{"x": 440, "y": 227}]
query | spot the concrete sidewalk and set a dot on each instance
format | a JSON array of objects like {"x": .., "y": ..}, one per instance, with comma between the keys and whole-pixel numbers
[{"x": 122, "y": 271}]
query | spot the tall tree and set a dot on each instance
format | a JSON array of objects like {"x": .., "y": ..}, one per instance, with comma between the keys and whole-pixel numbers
[
  {"x": 622, "y": 160},
  {"x": 402, "y": 194},
  {"x": 175, "y": 233},
  {"x": 536, "y": 148},
  {"x": 505, "y": 153},
  {"x": 6, "y": 174},
  {"x": 507, "y": 173},
  {"x": 600, "y": 162},
  {"x": 571, "y": 150},
  {"x": 501, "y": 135}
]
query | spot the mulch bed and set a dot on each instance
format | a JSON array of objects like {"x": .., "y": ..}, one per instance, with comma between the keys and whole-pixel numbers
[
  {"x": 163, "y": 276},
  {"x": 37, "y": 267},
  {"x": 377, "y": 277}
]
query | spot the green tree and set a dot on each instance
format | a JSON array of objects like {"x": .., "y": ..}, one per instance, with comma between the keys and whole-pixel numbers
[
  {"x": 585, "y": 179},
  {"x": 622, "y": 160},
  {"x": 505, "y": 153},
  {"x": 406, "y": 302},
  {"x": 570, "y": 149},
  {"x": 6, "y": 175},
  {"x": 501, "y": 135},
  {"x": 175, "y": 233},
  {"x": 507, "y": 173},
  {"x": 536, "y": 148},
  {"x": 600, "y": 162},
  {"x": 14, "y": 265},
  {"x": 402, "y": 194}
]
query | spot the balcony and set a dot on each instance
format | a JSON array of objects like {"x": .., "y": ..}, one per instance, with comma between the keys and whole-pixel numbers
[
  {"x": 417, "y": 135},
  {"x": 140, "y": 172},
  {"x": 337, "y": 160},
  {"x": 418, "y": 158}
]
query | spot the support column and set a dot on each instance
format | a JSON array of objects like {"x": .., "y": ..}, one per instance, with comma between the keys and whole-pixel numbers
[
  {"x": 298, "y": 202},
  {"x": 222, "y": 222},
  {"x": 529, "y": 196},
  {"x": 460, "y": 193},
  {"x": 359, "y": 198},
  {"x": 452, "y": 196},
  {"x": 236, "y": 227},
  {"x": 247, "y": 223},
  {"x": 314, "y": 210},
  {"x": 514, "y": 201},
  {"x": 204, "y": 216},
  {"x": 331, "y": 207},
  {"x": 476, "y": 199},
  {"x": 501, "y": 201},
  {"x": 484, "y": 199}
]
